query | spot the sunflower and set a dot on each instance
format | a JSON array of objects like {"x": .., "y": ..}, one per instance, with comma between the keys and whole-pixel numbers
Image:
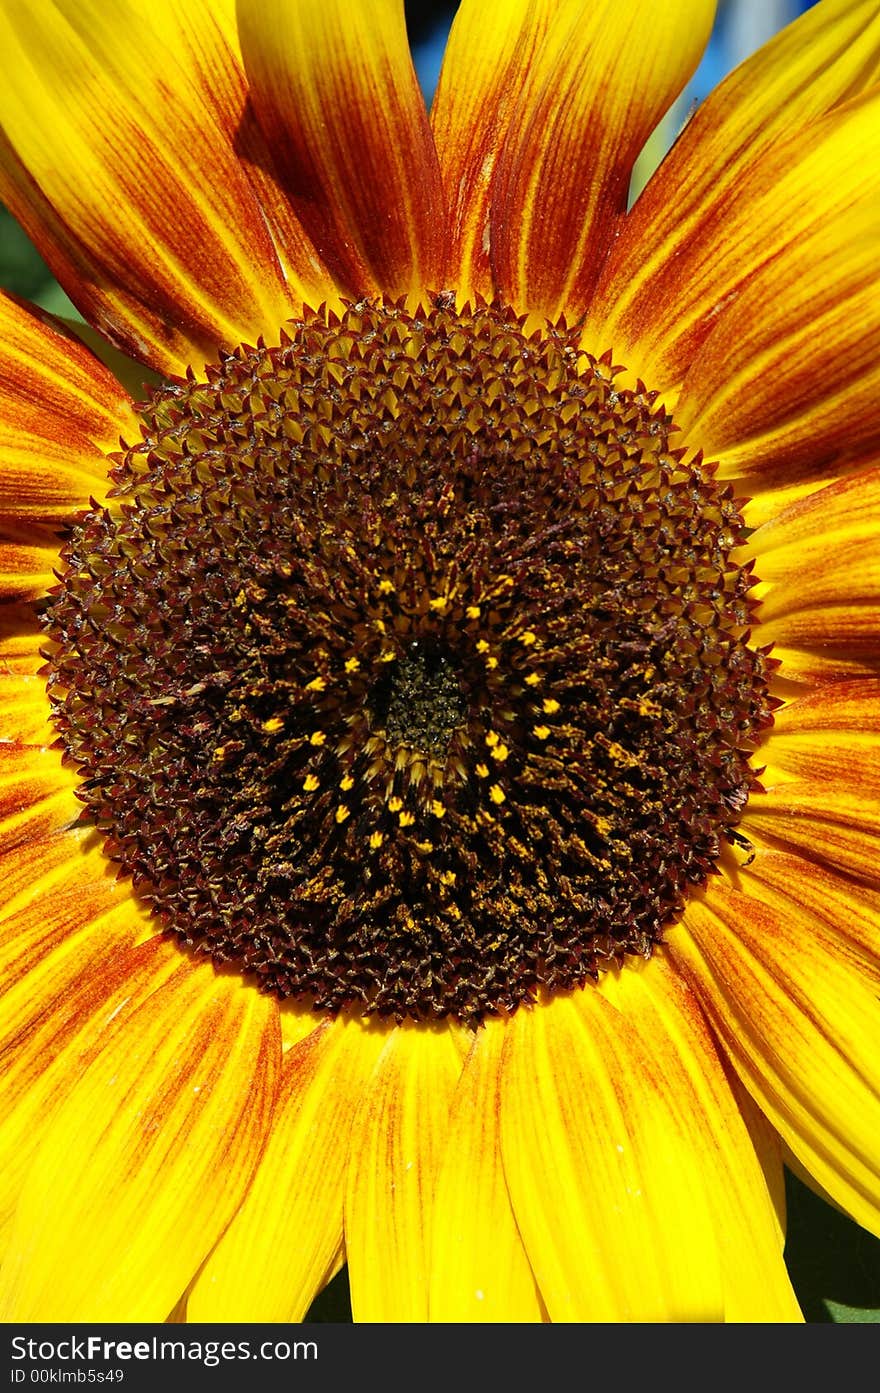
[{"x": 439, "y": 692}]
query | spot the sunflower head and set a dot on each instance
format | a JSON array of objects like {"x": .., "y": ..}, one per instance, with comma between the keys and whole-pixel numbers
[
  {"x": 438, "y": 718},
  {"x": 407, "y": 666}
]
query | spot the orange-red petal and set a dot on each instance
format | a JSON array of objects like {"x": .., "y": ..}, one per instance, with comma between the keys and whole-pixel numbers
[
  {"x": 335, "y": 93},
  {"x": 597, "y": 86},
  {"x": 487, "y": 66},
  {"x": 148, "y": 219},
  {"x": 819, "y": 567},
  {"x": 677, "y": 256}
]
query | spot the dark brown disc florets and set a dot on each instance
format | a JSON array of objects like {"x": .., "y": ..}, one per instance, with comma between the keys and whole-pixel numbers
[{"x": 407, "y": 667}]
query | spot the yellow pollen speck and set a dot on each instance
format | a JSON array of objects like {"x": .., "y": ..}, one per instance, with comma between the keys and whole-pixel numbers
[
  {"x": 482, "y": 646},
  {"x": 472, "y": 612},
  {"x": 439, "y": 604},
  {"x": 542, "y": 732},
  {"x": 500, "y": 752},
  {"x": 395, "y": 804},
  {"x": 219, "y": 754},
  {"x": 406, "y": 819},
  {"x": 274, "y": 723},
  {"x": 492, "y": 662},
  {"x": 492, "y": 738},
  {"x": 376, "y": 839},
  {"x": 533, "y": 679},
  {"x": 346, "y": 783},
  {"x": 528, "y": 638},
  {"x": 385, "y": 587},
  {"x": 317, "y": 684},
  {"x": 551, "y": 706},
  {"x": 310, "y": 783},
  {"x": 388, "y": 656},
  {"x": 447, "y": 877},
  {"x": 496, "y": 793},
  {"x": 352, "y": 664},
  {"x": 483, "y": 771},
  {"x": 438, "y": 809},
  {"x": 342, "y": 812},
  {"x": 425, "y": 847},
  {"x": 621, "y": 756},
  {"x": 317, "y": 738}
]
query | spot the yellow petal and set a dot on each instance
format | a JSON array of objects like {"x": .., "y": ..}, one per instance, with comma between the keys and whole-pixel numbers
[
  {"x": 800, "y": 1027},
  {"x": 45, "y": 940},
  {"x": 150, "y": 1155},
  {"x": 831, "y": 733},
  {"x": 745, "y": 1215},
  {"x": 834, "y": 823},
  {"x": 36, "y": 795},
  {"x": 396, "y": 1144},
  {"x": 28, "y": 559},
  {"x": 788, "y": 378},
  {"x": 598, "y": 85},
  {"x": 676, "y": 260},
  {"x": 147, "y": 219},
  {"x": 61, "y": 412},
  {"x": 24, "y": 710},
  {"x": 603, "y": 1170},
  {"x": 844, "y": 914},
  {"x": 21, "y": 639},
  {"x": 479, "y": 1269},
  {"x": 283, "y": 1243},
  {"x": 42, "y": 868},
  {"x": 819, "y": 568},
  {"x": 86, "y": 989},
  {"x": 487, "y": 65},
  {"x": 334, "y": 90}
]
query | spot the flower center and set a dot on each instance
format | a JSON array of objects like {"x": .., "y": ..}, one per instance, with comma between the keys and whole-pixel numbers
[
  {"x": 418, "y": 702},
  {"x": 407, "y": 666}
]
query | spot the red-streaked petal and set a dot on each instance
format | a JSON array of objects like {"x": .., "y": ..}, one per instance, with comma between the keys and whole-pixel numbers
[
  {"x": 788, "y": 379},
  {"x": 486, "y": 68},
  {"x": 36, "y": 795},
  {"x": 67, "y": 1032},
  {"x": 800, "y": 1027},
  {"x": 598, "y": 85},
  {"x": 604, "y": 1169},
  {"x": 147, "y": 219},
  {"x": 819, "y": 567},
  {"x": 831, "y": 733},
  {"x": 48, "y": 927},
  {"x": 846, "y": 914},
  {"x": 832, "y": 822},
  {"x": 283, "y": 1243},
  {"x": 28, "y": 559},
  {"x": 150, "y": 1155},
  {"x": 61, "y": 413},
  {"x": 334, "y": 90},
  {"x": 479, "y": 1269},
  {"x": 667, "y": 266},
  {"x": 397, "y": 1140}
]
